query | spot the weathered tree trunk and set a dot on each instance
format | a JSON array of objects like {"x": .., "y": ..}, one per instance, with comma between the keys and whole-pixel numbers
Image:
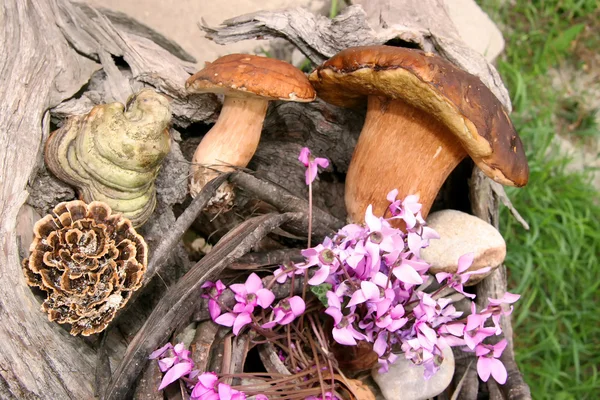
[
  {"x": 50, "y": 50},
  {"x": 59, "y": 56}
]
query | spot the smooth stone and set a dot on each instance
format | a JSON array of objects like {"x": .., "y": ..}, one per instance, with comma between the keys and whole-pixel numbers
[
  {"x": 462, "y": 233},
  {"x": 404, "y": 380}
]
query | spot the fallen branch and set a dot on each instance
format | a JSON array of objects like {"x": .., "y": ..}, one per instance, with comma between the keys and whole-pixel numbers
[
  {"x": 280, "y": 198},
  {"x": 176, "y": 307}
]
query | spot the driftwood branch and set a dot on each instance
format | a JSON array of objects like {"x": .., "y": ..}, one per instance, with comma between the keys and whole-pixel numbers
[
  {"x": 179, "y": 302},
  {"x": 284, "y": 201},
  {"x": 424, "y": 22},
  {"x": 484, "y": 202}
]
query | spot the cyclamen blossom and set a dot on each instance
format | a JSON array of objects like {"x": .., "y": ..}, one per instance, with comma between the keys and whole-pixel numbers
[
  {"x": 488, "y": 362},
  {"x": 457, "y": 280},
  {"x": 311, "y": 163},
  {"x": 212, "y": 291},
  {"x": 175, "y": 367},
  {"x": 375, "y": 270},
  {"x": 343, "y": 331},
  {"x": 286, "y": 311},
  {"x": 209, "y": 388},
  {"x": 248, "y": 295}
]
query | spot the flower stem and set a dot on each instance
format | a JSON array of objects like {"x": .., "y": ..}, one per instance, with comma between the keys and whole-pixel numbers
[{"x": 309, "y": 213}]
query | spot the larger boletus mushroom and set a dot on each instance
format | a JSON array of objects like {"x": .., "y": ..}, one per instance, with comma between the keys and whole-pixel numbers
[
  {"x": 248, "y": 82},
  {"x": 424, "y": 115}
]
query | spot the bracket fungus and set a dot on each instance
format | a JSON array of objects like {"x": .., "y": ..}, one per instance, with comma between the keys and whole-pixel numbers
[
  {"x": 89, "y": 261},
  {"x": 424, "y": 115},
  {"x": 248, "y": 83},
  {"x": 113, "y": 154}
]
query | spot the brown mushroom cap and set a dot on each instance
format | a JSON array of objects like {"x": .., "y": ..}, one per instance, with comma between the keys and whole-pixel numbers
[
  {"x": 428, "y": 82},
  {"x": 245, "y": 75}
]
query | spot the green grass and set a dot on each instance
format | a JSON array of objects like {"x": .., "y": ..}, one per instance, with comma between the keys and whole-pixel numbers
[{"x": 556, "y": 265}]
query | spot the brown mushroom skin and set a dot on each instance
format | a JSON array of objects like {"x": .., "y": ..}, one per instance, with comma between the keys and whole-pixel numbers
[
  {"x": 415, "y": 83},
  {"x": 418, "y": 155}
]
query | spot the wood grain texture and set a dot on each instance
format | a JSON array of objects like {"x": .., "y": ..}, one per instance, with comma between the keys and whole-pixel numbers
[
  {"x": 425, "y": 23},
  {"x": 50, "y": 50}
]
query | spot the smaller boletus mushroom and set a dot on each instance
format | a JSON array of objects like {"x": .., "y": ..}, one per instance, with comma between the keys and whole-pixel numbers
[
  {"x": 424, "y": 115},
  {"x": 248, "y": 83},
  {"x": 89, "y": 261}
]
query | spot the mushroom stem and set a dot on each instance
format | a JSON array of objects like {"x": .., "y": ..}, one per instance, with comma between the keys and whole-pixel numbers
[
  {"x": 231, "y": 141},
  {"x": 396, "y": 133}
]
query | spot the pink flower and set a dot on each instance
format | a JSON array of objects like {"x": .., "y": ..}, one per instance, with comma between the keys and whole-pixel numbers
[
  {"x": 248, "y": 295},
  {"x": 343, "y": 332},
  {"x": 209, "y": 388},
  {"x": 496, "y": 310},
  {"x": 407, "y": 210},
  {"x": 311, "y": 164},
  {"x": 286, "y": 311},
  {"x": 213, "y": 291},
  {"x": 488, "y": 362},
  {"x": 457, "y": 279},
  {"x": 175, "y": 367}
]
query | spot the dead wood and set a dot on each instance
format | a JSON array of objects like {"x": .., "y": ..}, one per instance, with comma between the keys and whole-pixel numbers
[
  {"x": 176, "y": 307},
  {"x": 66, "y": 58},
  {"x": 146, "y": 387},
  {"x": 284, "y": 201},
  {"x": 176, "y": 231},
  {"x": 276, "y": 257},
  {"x": 50, "y": 51},
  {"x": 484, "y": 200},
  {"x": 424, "y": 22}
]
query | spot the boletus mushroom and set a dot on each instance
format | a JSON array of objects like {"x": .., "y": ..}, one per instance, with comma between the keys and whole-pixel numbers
[
  {"x": 248, "y": 83},
  {"x": 424, "y": 115}
]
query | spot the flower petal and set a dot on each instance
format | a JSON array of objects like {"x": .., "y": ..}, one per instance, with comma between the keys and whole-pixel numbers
[
  {"x": 265, "y": 297},
  {"x": 498, "y": 371},
  {"x": 226, "y": 319},
  {"x": 391, "y": 196},
  {"x": 464, "y": 262},
  {"x": 320, "y": 276},
  {"x": 253, "y": 283},
  {"x": 159, "y": 352},
  {"x": 407, "y": 274},
  {"x": 176, "y": 372},
  {"x": 343, "y": 336},
  {"x": 214, "y": 309},
  {"x": 241, "y": 320},
  {"x": 297, "y": 305},
  {"x": 373, "y": 222},
  {"x": 322, "y": 162},
  {"x": 304, "y": 156}
]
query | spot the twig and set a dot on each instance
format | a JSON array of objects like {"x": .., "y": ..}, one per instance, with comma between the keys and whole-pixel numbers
[
  {"x": 284, "y": 201},
  {"x": 275, "y": 257},
  {"x": 201, "y": 345},
  {"x": 185, "y": 220}
]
